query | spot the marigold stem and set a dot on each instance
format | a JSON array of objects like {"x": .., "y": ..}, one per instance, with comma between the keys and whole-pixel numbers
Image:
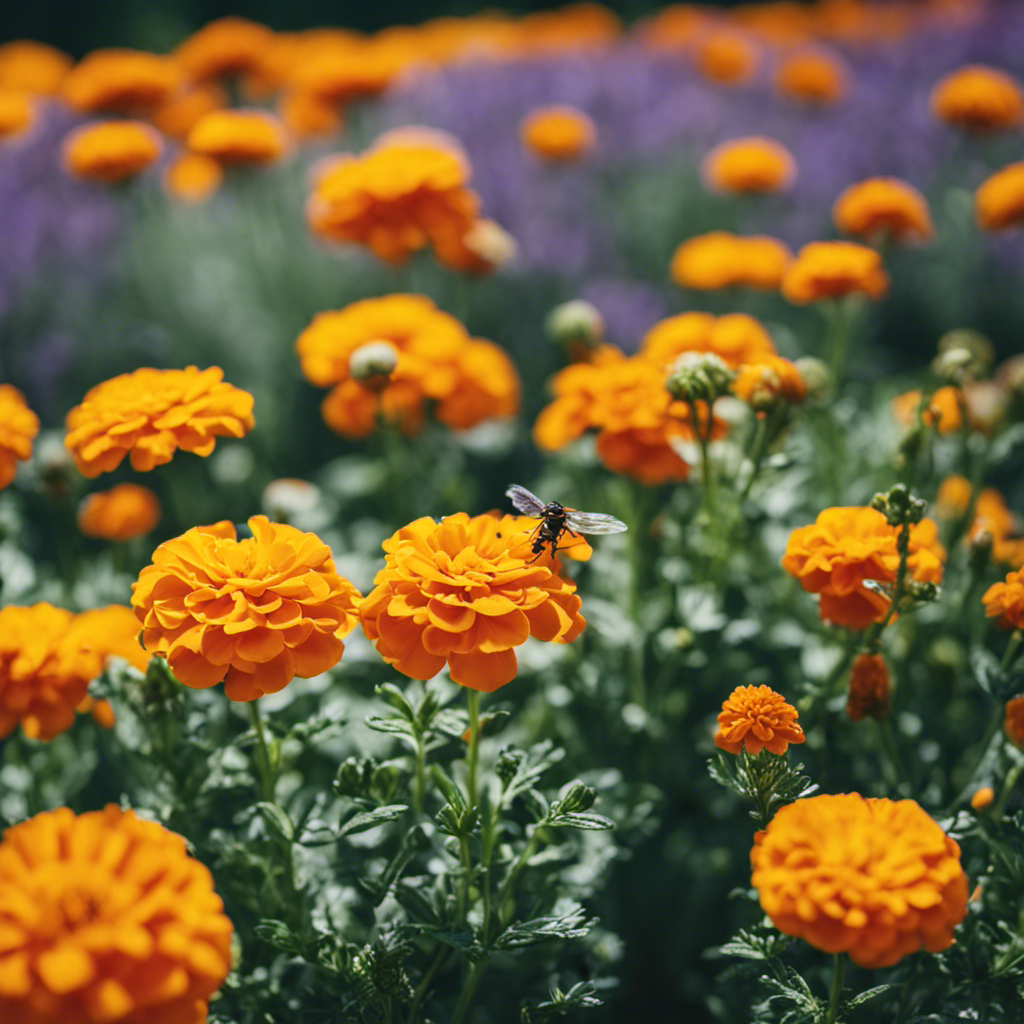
[
  {"x": 473, "y": 699},
  {"x": 469, "y": 990},
  {"x": 838, "y": 978},
  {"x": 267, "y": 781},
  {"x": 1012, "y": 778}
]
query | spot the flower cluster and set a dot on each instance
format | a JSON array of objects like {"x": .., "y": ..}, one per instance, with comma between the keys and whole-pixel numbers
[
  {"x": 833, "y": 270},
  {"x": 884, "y": 209},
  {"x": 1005, "y": 600}
]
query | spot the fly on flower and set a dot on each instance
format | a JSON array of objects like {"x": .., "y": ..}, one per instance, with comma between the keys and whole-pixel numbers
[{"x": 556, "y": 519}]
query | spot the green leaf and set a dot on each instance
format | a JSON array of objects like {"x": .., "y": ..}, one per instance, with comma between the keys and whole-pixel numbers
[
  {"x": 392, "y": 726},
  {"x": 277, "y": 819},
  {"x": 279, "y": 935},
  {"x": 589, "y": 822},
  {"x": 365, "y": 820},
  {"x": 863, "y": 997},
  {"x": 461, "y": 939},
  {"x": 521, "y": 934}
]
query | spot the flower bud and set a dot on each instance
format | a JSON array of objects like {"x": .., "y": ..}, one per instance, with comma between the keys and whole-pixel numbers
[
  {"x": 818, "y": 378},
  {"x": 979, "y": 348},
  {"x": 870, "y": 690},
  {"x": 491, "y": 242},
  {"x": 373, "y": 363},
  {"x": 54, "y": 466},
  {"x": 288, "y": 498},
  {"x": 953, "y": 364},
  {"x": 575, "y": 324},
  {"x": 699, "y": 377},
  {"x": 983, "y": 798}
]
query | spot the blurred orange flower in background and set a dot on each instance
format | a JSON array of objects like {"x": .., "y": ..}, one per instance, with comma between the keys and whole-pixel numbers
[
  {"x": 992, "y": 517},
  {"x": 755, "y": 718},
  {"x": 223, "y": 48},
  {"x": 17, "y": 113},
  {"x": 813, "y": 77},
  {"x": 111, "y": 151},
  {"x": 874, "y": 878},
  {"x": 486, "y": 387},
  {"x": 768, "y": 381},
  {"x": 884, "y": 209},
  {"x": 736, "y": 338},
  {"x": 349, "y": 69},
  {"x": 945, "y": 410},
  {"x": 177, "y": 116},
  {"x": 306, "y": 116},
  {"x": 727, "y": 56},
  {"x": 869, "y": 695},
  {"x": 979, "y": 99},
  {"x": 239, "y": 137},
  {"x": 192, "y": 177},
  {"x": 35, "y": 68},
  {"x": 558, "y": 133},
  {"x": 999, "y": 201},
  {"x": 755, "y": 164},
  {"x": 112, "y": 631},
  {"x": 1005, "y": 600},
  {"x": 833, "y": 270},
  {"x": 18, "y": 428},
  {"x": 121, "y": 82},
  {"x": 1013, "y": 721},
  {"x": 463, "y": 592},
  {"x": 120, "y": 514},
  {"x": 253, "y": 613},
  {"x": 720, "y": 259},
  {"x": 149, "y": 414},
  {"x": 106, "y": 917}
]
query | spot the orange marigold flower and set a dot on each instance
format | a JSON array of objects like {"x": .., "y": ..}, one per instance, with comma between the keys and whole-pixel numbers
[
  {"x": 727, "y": 56},
  {"x": 979, "y": 99},
  {"x": 1013, "y": 721},
  {"x": 770, "y": 380},
  {"x": 179, "y": 114},
  {"x": 121, "y": 81},
  {"x": 992, "y": 518},
  {"x": 832, "y": 270},
  {"x": 252, "y": 613},
  {"x": 983, "y": 798},
  {"x": 558, "y": 133},
  {"x": 999, "y": 201},
  {"x": 111, "y": 151},
  {"x": 945, "y": 409},
  {"x": 35, "y": 68},
  {"x": 17, "y": 113},
  {"x": 306, "y": 116},
  {"x": 239, "y": 137},
  {"x": 874, "y": 878},
  {"x": 723, "y": 260},
  {"x": 486, "y": 387},
  {"x": 1005, "y": 601},
  {"x": 457, "y": 592},
  {"x": 149, "y": 414},
  {"x": 884, "y": 209},
  {"x": 755, "y": 164},
  {"x": 349, "y": 70},
  {"x": 106, "y": 917},
  {"x": 845, "y": 548},
  {"x": 18, "y": 427},
  {"x": 192, "y": 177},
  {"x": 812, "y": 77},
  {"x": 112, "y": 631},
  {"x": 736, "y": 337},
  {"x": 870, "y": 691},
  {"x": 485, "y": 247},
  {"x": 120, "y": 514},
  {"x": 756, "y": 718},
  {"x": 227, "y": 46}
]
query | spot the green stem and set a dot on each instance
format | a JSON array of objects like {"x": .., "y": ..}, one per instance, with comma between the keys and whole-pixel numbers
[
  {"x": 991, "y": 732},
  {"x": 836, "y": 993},
  {"x": 637, "y": 537},
  {"x": 1004, "y": 797},
  {"x": 263, "y": 761},
  {"x": 839, "y": 330},
  {"x": 473, "y": 699},
  {"x": 420, "y": 790},
  {"x": 511, "y": 879},
  {"x": 888, "y": 744},
  {"x": 469, "y": 989},
  {"x": 423, "y": 987}
]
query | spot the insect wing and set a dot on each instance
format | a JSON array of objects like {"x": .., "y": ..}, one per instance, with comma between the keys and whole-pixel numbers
[
  {"x": 593, "y": 522},
  {"x": 525, "y": 501}
]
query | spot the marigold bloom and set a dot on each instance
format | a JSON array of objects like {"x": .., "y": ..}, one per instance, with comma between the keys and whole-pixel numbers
[
  {"x": 352, "y": 70},
  {"x": 306, "y": 116},
  {"x": 979, "y": 99},
  {"x": 983, "y": 798},
  {"x": 252, "y": 613},
  {"x": 874, "y": 878},
  {"x": 723, "y": 260},
  {"x": 558, "y": 133},
  {"x": 999, "y": 201},
  {"x": 111, "y": 151},
  {"x": 149, "y": 414},
  {"x": 727, "y": 56},
  {"x": 18, "y": 427},
  {"x": 870, "y": 690},
  {"x": 756, "y": 718},
  {"x": 179, "y": 114},
  {"x": 845, "y": 548},
  {"x": 227, "y": 46},
  {"x": 486, "y": 387},
  {"x": 992, "y": 518},
  {"x": 945, "y": 409},
  {"x": 112, "y": 631},
  {"x": 1005, "y": 601},
  {"x": 1013, "y": 721},
  {"x": 812, "y": 77},
  {"x": 17, "y": 113},
  {"x": 457, "y": 592},
  {"x": 35, "y": 68},
  {"x": 121, "y": 81},
  {"x": 192, "y": 177},
  {"x": 768, "y": 381},
  {"x": 832, "y": 270},
  {"x": 755, "y": 164},
  {"x": 239, "y": 137},
  {"x": 106, "y": 917},
  {"x": 120, "y": 514},
  {"x": 736, "y": 338},
  {"x": 884, "y": 208}
]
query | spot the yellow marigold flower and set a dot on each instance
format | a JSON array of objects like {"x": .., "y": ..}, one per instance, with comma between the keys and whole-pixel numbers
[
  {"x": 736, "y": 337},
  {"x": 306, "y": 116},
  {"x": 120, "y": 514},
  {"x": 486, "y": 387},
  {"x": 874, "y": 878},
  {"x": 845, "y": 548},
  {"x": 884, "y": 209},
  {"x": 999, "y": 201},
  {"x": 149, "y": 414},
  {"x": 112, "y": 631},
  {"x": 723, "y": 260},
  {"x": 179, "y": 114},
  {"x": 252, "y": 613},
  {"x": 755, "y": 164},
  {"x": 770, "y": 380},
  {"x": 832, "y": 270},
  {"x": 111, "y": 151},
  {"x": 239, "y": 137},
  {"x": 17, "y": 113},
  {"x": 1005, "y": 601},
  {"x": 227, "y": 46},
  {"x": 983, "y": 798},
  {"x": 558, "y": 133},
  {"x": 457, "y": 592},
  {"x": 870, "y": 691},
  {"x": 35, "y": 68},
  {"x": 106, "y": 917},
  {"x": 18, "y": 427},
  {"x": 192, "y": 177},
  {"x": 395, "y": 200},
  {"x": 121, "y": 81},
  {"x": 756, "y": 718},
  {"x": 979, "y": 99},
  {"x": 1013, "y": 721},
  {"x": 727, "y": 56},
  {"x": 812, "y": 77},
  {"x": 945, "y": 409}
]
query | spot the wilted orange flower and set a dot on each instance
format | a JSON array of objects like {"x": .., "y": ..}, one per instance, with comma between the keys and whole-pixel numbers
[
  {"x": 812, "y": 77},
  {"x": 306, "y": 116},
  {"x": 106, "y": 917},
  {"x": 736, "y": 338},
  {"x": 252, "y": 613},
  {"x": 845, "y": 548},
  {"x": 884, "y": 209},
  {"x": 874, "y": 878},
  {"x": 239, "y": 137},
  {"x": 870, "y": 691},
  {"x": 727, "y": 56},
  {"x": 832, "y": 270},
  {"x": 35, "y": 68},
  {"x": 992, "y": 518},
  {"x": 192, "y": 177},
  {"x": 558, "y": 133},
  {"x": 983, "y": 798},
  {"x": 120, "y": 514},
  {"x": 756, "y": 718},
  {"x": 771, "y": 379},
  {"x": 149, "y": 414},
  {"x": 18, "y": 427},
  {"x": 723, "y": 260},
  {"x": 945, "y": 409},
  {"x": 999, "y": 201},
  {"x": 1005, "y": 601},
  {"x": 121, "y": 81},
  {"x": 1013, "y": 721},
  {"x": 395, "y": 200},
  {"x": 755, "y": 164},
  {"x": 178, "y": 115},
  {"x": 17, "y": 113},
  {"x": 111, "y": 151},
  {"x": 979, "y": 99},
  {"x": 227, "y": 46},
  {"x": 457, "y": 592}
]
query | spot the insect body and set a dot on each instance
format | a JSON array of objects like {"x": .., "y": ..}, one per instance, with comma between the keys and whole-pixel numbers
[{"x": 557, "y": 519}]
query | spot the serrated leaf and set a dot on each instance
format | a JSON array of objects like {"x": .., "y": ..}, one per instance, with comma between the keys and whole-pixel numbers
[
  {"x": 870, "y": 993},
  {"x": 277, "y": 819},
  {"x": 521, "y": 934},
  {"x": 460, "y": 939},
  {"x": 393, "y": 726},
  {"x": 365, "y": 820},
  {"x": 588, "y": 822}
]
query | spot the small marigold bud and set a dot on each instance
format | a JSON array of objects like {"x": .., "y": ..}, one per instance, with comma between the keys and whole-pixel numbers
[
  {"x": 983, "y": 798},
  {"x": 699, "y": 376},
  {"x": 870, "y": 690},
  {"x": 953, "y": 364},
  {"x": 575, "y": 323},
  {"x": 980, "y": 348},
  {"x": 818, "y": 378},
  {"x": 1013, "y": 721},
  {"x": 489, "y": 241},
  {"x": 373, "y": 363}
]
